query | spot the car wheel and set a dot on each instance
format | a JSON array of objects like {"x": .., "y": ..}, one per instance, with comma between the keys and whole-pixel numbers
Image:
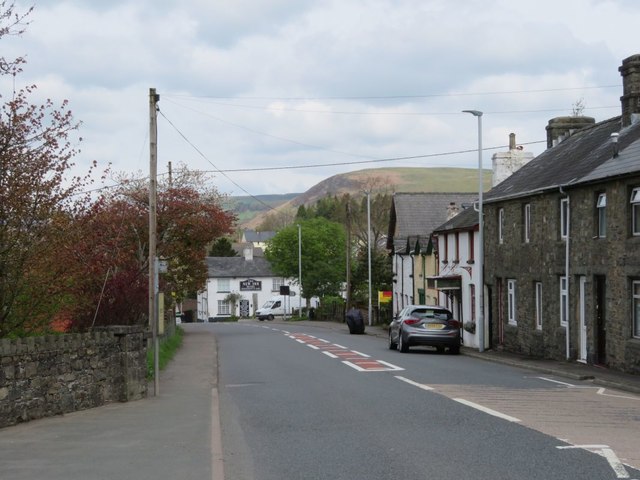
[
  {"x": 392, "y": 344},
  {"x": 270, "y": 317},
  {"x": 403, "y": 346},
  {"x": 454, "y": 350}
]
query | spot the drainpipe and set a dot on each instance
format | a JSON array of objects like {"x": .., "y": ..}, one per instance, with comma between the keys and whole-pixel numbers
[{"x": 566, "y": 272}]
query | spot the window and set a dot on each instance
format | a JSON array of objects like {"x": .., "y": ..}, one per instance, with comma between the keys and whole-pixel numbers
[
  {"x": 446, "y": 248},
  {"x": 538, "y": 288},
  {"x": 564, "y": 217},
  {"x": 223, "y": 307},
  {"x": 501, "y": 225},
  {"x": 511, "y": 302},
  {"x": 472, "y": 301},
  {"x": 223, "y": 285},
  {"x": 457, "y": 247},
  {"x": 636, "y": 308},
  {"x": 277, "y": 283},
  {"x": 564, "y": 298},
  {"x": 527, "y": 222},
  {"x": 635, "y": 211},
  {"x": 601, "y": 207},
  {"x": 472, "y": 246}
]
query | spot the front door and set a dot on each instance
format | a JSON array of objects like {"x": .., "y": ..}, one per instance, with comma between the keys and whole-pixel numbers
[
  {"x": 601, "y": 328},
  {"x": 244, "y": 308},
  {"x": 583, "y": 320}
]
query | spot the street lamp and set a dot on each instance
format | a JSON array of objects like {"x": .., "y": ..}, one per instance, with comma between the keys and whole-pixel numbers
[
  {"x": 299, "y": 270},
  {"x": 369, "y": 249},
  {"x": 479, "y": 281}
]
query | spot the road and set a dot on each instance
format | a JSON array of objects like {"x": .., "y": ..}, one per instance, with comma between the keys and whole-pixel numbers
[{"x": 299, "y": 402}]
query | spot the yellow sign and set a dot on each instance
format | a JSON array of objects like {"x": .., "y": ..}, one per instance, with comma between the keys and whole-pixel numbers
[{"x": 384, "y": 296}]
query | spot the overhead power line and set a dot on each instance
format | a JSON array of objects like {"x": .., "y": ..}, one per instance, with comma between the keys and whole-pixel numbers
[{"x": 399, "y": 97}]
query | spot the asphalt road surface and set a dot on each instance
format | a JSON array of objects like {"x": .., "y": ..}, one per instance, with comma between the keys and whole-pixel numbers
[{"x": 298, "y": 402}]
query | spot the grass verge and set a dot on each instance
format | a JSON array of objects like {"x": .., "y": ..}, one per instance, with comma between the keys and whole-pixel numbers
[{"x": 168, "y": 348}]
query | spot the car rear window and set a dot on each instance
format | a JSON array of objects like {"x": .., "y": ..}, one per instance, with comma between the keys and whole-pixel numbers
[{"x": 432, "y": 313}]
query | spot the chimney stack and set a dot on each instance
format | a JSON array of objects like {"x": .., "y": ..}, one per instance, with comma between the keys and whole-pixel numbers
[
  {"x": 560, "y": 128},
  {"x": 630, "y": 99},
  {"x": 504, "y": 164},
  {"x": 452, "y": 210}
]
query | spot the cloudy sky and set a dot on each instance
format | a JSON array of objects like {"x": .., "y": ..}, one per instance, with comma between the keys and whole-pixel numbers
[{"x": 320, "y": 87}]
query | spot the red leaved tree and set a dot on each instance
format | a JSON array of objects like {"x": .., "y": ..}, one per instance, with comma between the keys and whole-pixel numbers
[{"x": 110, "y": 246}]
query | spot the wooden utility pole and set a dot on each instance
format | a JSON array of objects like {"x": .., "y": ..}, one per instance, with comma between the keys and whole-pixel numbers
[
  {"x": 153, "y": 199},
  {"x": 170, "y": 176},
  {"x": 348, "y": 293}
]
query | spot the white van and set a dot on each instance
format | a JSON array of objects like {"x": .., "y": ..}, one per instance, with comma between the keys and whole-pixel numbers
[{"x": 274, "y": 307}]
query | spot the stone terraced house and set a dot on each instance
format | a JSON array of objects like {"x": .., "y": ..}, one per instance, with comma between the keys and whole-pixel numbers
[{"x": 562, "y": 242}]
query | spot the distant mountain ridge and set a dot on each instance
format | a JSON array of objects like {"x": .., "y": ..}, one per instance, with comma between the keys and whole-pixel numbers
[{"x": 252, "y": 213}]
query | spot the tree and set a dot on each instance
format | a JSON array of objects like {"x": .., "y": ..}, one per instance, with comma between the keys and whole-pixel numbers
[
  {"x": 222, "y": 247},
  {"x": 37, "y": 196},
  {"x": 110, "y": 247},
  {"x": 323, "y": 256}
]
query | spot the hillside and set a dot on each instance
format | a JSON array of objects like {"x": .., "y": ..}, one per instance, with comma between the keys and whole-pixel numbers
[{"x": 402, "y": 179}]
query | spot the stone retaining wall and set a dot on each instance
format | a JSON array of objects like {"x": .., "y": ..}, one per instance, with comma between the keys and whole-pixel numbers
[{"x": 56, "y": 374}]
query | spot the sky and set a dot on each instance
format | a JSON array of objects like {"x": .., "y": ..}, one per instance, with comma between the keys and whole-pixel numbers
[{"x": 274, "y": 96}]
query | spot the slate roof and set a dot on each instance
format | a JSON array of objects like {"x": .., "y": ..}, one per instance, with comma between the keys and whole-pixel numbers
[
  {"x": 258, "y": 237},
  {"x": 417, "y": 215},
  {"x": 236, "y": 267},
  {"x": 465, "y": 220},
  {"x": 586, "y": 156}
]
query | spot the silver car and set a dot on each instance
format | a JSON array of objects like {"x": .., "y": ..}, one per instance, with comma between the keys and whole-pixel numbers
[{"x": 428, "y": 325}]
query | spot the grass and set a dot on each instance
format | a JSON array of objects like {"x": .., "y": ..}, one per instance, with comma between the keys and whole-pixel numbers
[{"x": 168, "y": 348}]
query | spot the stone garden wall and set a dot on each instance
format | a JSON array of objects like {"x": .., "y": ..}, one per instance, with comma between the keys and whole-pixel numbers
[{"x": 56, "y": 374}]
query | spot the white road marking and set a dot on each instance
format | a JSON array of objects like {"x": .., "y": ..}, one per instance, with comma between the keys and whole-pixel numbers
[
  {"x": 604, "y": 450},
  {"x": 329, "y": 354},
  {"x": 415, "y": 384},
  {"x": 556, "y": 381},
  {"x": 495, "y": 413},
  {"x": 602, "y": 390},
  {"x": 313, "y": 346},
  {"x": 390, "y": 365},
  {"x": 339, "y": 346},
  {"x": 361, "y": 354}
]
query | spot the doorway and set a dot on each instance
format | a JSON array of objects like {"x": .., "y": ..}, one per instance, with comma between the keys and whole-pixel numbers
[
  {"x": 601, "y": 320},
  {"x": 582, "y": 313}
]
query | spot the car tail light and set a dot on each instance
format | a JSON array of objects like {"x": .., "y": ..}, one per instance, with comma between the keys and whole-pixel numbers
[
  {"x": 412, "y": 321},
  {"x": 454, "y": 323}
]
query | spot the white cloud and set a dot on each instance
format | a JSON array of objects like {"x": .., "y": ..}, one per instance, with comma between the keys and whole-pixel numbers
[{"x": 281, "y": 62}]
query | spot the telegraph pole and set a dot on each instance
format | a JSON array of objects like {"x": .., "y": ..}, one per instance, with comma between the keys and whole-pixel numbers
[{"x": 153, "y": 198}]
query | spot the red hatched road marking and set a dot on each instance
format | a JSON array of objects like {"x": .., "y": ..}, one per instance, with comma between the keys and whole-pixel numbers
[{"x": 356, "y": 360}]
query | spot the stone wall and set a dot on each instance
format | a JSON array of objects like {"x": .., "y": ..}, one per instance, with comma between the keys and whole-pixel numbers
[
  {"x": 56, "y": 374},
  {"x": 616, "y": 258}
]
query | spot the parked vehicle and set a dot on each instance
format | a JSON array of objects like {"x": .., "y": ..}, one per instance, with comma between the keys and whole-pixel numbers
[
  {"x": 428, "y": 325},
  {"x": 274, "y": 307}
]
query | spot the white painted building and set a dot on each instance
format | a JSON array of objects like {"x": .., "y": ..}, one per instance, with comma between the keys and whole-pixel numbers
[{"x": 249, "y": 277}]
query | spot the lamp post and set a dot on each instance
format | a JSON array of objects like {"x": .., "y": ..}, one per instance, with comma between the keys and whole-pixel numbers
[
  {"x": 299, "y": 270},
  {"x": 480, "y": 278},
  {"x": 369, "y": 250}
]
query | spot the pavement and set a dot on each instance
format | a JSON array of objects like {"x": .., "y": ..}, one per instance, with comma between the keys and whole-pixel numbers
[{"x": 176, "y": 434}]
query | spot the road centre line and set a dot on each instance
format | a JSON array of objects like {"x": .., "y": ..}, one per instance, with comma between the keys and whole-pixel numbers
[{"x": 490, "y": 411}]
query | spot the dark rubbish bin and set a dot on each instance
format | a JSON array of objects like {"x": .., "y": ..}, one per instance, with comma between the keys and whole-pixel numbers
[{"x": 355, "y": 322}]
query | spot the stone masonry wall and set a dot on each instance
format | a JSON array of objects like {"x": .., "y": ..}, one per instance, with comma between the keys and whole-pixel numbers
[
  {"x": 56, "y": 374},
  {"x": 615, "y": 258}
]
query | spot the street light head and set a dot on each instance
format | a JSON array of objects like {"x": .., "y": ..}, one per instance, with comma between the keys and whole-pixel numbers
[{"x": 475, "y": 113}]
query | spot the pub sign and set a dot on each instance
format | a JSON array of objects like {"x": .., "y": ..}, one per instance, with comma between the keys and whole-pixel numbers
[{"x": 250, "y": 285}]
